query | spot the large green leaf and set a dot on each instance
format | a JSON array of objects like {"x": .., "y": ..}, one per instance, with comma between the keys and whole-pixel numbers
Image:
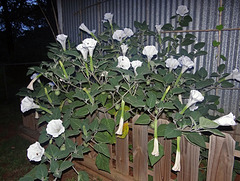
[
  {"x": 161, "y": 129},
  {"x": 134, "y": 101},
  {"x": 105, "y": 137},
  {"x": 52, "y": 150},
  {"x": 151, "y": 100},
  {"x": 205, "y": 83},
  {"x": 82, "y": 112},
  {"x": 102, "y": 162},
  {"x": 153, "y": 159},
  {"x": 171, "y": 131},
  {"x": 207, "y": 123},
  {"x": 83, "y": 176},
  {"x": 143, "y": 119},
  {"x": 41, "y": 172},
  {"x": 65, "y": 165},
  {"x": 102, "y": 148},
  {"x": 107, "y": 124},
  {"x": 195, "y": 138}
]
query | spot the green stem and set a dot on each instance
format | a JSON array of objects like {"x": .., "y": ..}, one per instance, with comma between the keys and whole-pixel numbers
[
  {"x": 86, "y": 66},
  {"x": 111, "y": 28},
  {"x": 221, "y": 80},
  {"x": 155, "y": 128},
  {"x": 184, "y": 109},
  {"x": 91, "y": 64},
  {"x": 178, "y": 79},
  {"x": 64, "y": 71},
  {"x": 45, "y": 109},
  {"x": 149, "y": 65},
  {"x": 165, "y": 93},
  {"x": 122, "y": 107},
  {"x": 49, "y": 98},
  {"x": 95, "y": 38},
  {"x": 178, "y": 143},
  {"x": 89, "y": 96},
  {"x": 159, "y": 39}
]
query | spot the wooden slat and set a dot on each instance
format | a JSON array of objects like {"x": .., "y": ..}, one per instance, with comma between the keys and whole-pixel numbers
[
  {"x": 162, "y": 169},
  {"x": 122, "y": 155},
  {"x": 189, "y": 161},
  {"x": 220, "y": 158},
  {"x": 140, "y": 156}
]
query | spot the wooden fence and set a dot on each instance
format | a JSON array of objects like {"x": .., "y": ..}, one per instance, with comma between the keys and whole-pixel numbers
[{"x": 129, "y": 156}]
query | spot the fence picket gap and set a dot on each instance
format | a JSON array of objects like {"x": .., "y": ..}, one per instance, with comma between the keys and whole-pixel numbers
[
  {"x": 189, "y": 161},
  {"x": 220, "y": 158},
  {"x": 140, "y": 154}
]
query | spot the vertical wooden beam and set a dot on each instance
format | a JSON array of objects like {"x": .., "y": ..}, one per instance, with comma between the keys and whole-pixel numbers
[
  {"x": 189, "y": 161},
  {"x": 140, "y": 155},
  {"x": 122, "y": 155},
  {"x": 220, "y": 158},
  {"x": 162, "y": 169}
]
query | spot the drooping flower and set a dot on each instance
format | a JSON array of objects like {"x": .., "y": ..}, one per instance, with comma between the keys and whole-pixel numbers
[
  {"x": 195, "y": 96},
  {"x": 108, "y": 17},
  {"x": 227, "y": 120},
  {"x": 186, "y": 63},
  {"x": 35, "y": 152},
  {"x": 121, "y": 121},
  {"x": 62, "y": 40},
  {"x": 135, "y": 64},
  {"x": 124, "y": 49},
  {"x": 235, "y": 75},
  {"x": 172, "y": 63},
  {"x": 128, "y": 32},
  {"x": 30, "y": 85},
  {"x": 84, "y": 28},
  {"x": 55, "y": 128},
  {"x": 155, "y": 151},
  {"x": 182, "y": 10},
  {"x": 90, "y": 44},
  {"x": 27, "y": 104},
  {"x": 177, "y": 166},
  {"x": 193, "y": 107},
  {"x": 119, "y": 35},
  {"x": 150, "y": 51},
  {"x": 120, "y": 126},
  {"x": 83, "y": 50},
  {"x": 158, "y": 28},
  {"x": 123, "y": 62}
]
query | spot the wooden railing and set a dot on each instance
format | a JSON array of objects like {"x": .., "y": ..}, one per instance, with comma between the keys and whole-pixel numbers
[{"x": 129, "y": 157}]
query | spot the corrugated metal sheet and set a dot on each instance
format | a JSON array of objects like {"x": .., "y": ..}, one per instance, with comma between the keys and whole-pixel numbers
[{"x": 205, "y": 16}]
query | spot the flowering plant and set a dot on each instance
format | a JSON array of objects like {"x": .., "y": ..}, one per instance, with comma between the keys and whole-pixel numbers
[{"x": 93, "y": 88}]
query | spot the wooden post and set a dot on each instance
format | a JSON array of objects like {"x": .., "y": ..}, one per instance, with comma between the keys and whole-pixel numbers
[
  {"x": 122, "y": 155},
  {"x": 189, "y": 161},
  {"x": 140, "y": 155},
  {"x": 220, "y": 158},
  {"x": 162, "y": 169}
]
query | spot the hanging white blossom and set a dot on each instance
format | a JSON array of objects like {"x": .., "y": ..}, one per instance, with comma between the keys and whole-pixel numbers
[
  {"x": 108, "y": 17},
  {"x": 150, "y": 51},
  {"x": 235, "y": 75},
  {"x": 135, "y": 64},
  {"x": 172, "y": 63},
  {"x": 182, "y": 10},
  {"x": 27, "y": 104},
  {"x": 90, "y": 44},
  {"x": 62, "y": 40},
  {"x": 186, "y": 63},
  {"x": 227, "y": 120},
  {"x": 83, "y": 50},
  {"x": 123, "y": 62},
  {"x": 119, "y": 35}
]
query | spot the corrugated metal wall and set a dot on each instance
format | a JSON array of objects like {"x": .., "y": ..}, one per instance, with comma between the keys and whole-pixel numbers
[{"x": 205, "y": 16}]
